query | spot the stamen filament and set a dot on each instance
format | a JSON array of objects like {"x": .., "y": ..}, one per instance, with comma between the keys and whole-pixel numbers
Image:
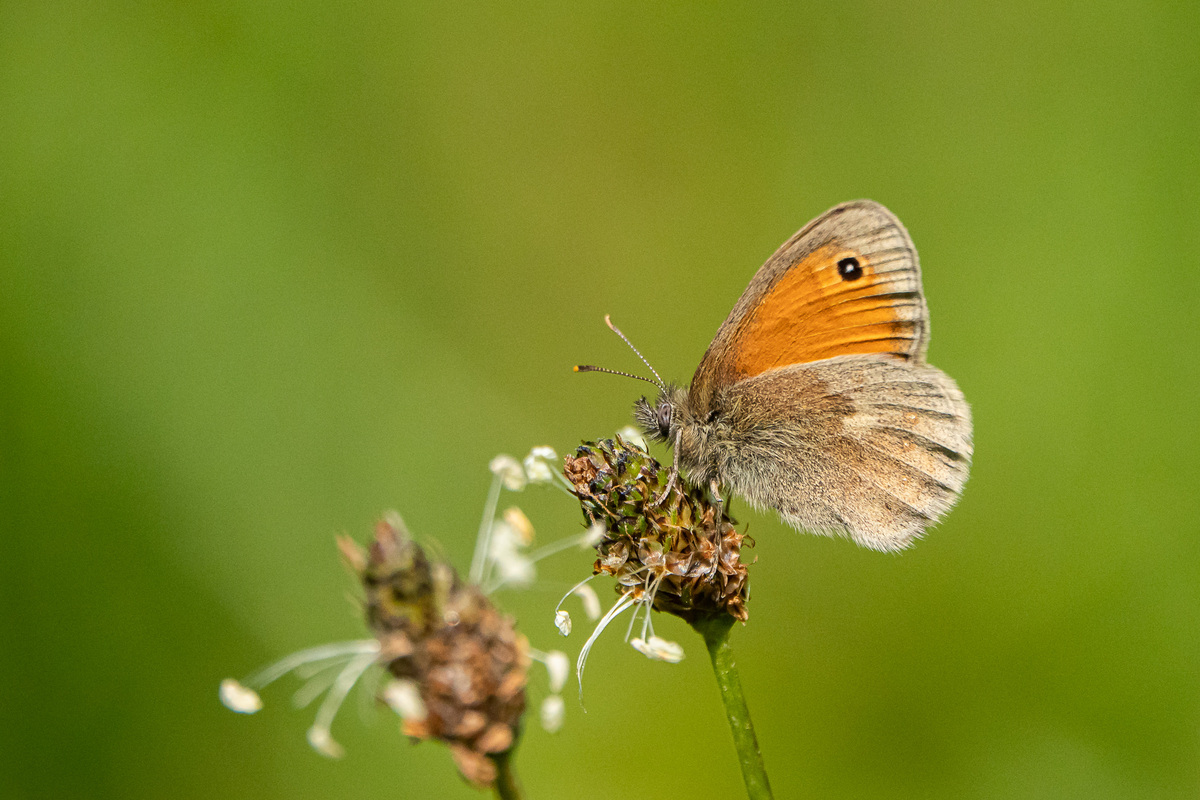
[
  {"x": 621, "y": 605},
  {"x": 632, "y": 620},
  {"x": 557, "y": 547},
  {"x": 562, "y": 483},
  {"x": 337, "y": 694},
  {"x": 484, "y": 540},
  {"x": 368, "y": 693},
  {"x": 573, "y": 589},
  {"x": 325, "y": 652},
  {"x": 315, "y": 686},
  {"x": 651, "y": 590}
]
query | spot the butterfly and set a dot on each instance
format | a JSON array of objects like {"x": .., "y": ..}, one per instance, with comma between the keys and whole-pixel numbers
[{"x": 815, "y": 399}]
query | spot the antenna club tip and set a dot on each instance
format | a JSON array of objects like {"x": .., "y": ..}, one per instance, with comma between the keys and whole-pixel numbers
[{"x": 576, "y": 368}]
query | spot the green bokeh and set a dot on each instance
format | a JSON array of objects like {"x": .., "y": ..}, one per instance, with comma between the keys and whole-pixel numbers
[{"x": 267, "y": 270}]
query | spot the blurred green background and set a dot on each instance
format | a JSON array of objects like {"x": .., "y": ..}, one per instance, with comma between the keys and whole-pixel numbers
[{"x": 268, "y": 269}]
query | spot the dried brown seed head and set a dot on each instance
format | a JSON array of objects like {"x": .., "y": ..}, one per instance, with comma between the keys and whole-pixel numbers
[{"x": 466, "y": 658}]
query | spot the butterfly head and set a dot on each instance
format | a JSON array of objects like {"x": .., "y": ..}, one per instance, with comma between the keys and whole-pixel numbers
[{"x": 661, "y": 420}]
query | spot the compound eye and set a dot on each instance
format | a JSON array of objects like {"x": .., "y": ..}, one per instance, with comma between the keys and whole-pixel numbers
[{"x": 664, "y": 418}]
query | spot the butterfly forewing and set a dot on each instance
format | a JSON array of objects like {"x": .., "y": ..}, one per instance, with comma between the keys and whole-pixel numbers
[{"x": 847, "y": 284}]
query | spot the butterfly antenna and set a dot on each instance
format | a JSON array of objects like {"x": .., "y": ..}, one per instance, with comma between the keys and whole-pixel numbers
[
  {"x": 590, "y": 368},
  {"x": 625, "y": 339}
]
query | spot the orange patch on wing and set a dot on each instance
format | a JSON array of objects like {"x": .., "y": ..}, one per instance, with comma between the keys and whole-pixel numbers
[{"x": 813, "y": 313}]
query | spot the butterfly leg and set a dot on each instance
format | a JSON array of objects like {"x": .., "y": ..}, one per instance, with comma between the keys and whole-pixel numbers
[
  {"x": 674, "y": 473},
  {"x": 715, "y": 488}
]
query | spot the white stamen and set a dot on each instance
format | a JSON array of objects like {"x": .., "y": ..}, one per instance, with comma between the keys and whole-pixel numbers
[
  {"x": 633, "y": 436},
  {"x": 659, "y": 649},
  {"x": 562, "y": 621},
  {"x": 508, "y": 469},
  {"x": 571, "y": 591},
  {"x": 404, "y": 697},
  {"x": 558, "y": 666},
  {"x": 593, "y": 535},
  {"x": 537, "y": 467},
  {"x": 368, "y": 692},
  {"x": 621, "y": 605},
  {"x": 591, "y": 603},
  {"x": 325, "y": 652},
  {"x": 641, "y": 603},
  {"x": 538, "y": 472},
  {"x": 505, "y": 541},
  {"x": 648, "y": 599},
  {"x": 562, "y": 484},
  {"x": 589, "y": 538},
  {"x": 238, "y": 698},
  {"x": 506, "y": 559},
  {"x": 318, "y": 735},
  {"x": 317, "y": 684},
  {"x": 520, "y": 524},
  {"x": 483, "y": 541},
  {"x": 517, "y": 570},
  {"x": 552, "y": 712},
  {"x": 322, "y": 741}
]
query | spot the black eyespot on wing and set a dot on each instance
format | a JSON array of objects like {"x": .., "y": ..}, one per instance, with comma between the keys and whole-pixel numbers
[{"x": 849, "y": 269}]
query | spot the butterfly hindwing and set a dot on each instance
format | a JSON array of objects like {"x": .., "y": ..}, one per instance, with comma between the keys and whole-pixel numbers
[{"x": 864, "y": 446}]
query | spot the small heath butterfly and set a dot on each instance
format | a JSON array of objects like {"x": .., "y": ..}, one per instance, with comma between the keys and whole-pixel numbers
[{"x": 815, "y": 399}]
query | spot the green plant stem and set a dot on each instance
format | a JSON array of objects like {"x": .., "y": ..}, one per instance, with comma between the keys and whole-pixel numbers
[
  {"x": 507, "y": 787},
  {"x": 715, "y": 631}
]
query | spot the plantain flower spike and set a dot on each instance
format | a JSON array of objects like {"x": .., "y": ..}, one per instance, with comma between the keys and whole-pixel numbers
[
  {"x": 459, "y": 664},
  {"x": 679, "y": 553},
  {"x": 458, "y": 667}
]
